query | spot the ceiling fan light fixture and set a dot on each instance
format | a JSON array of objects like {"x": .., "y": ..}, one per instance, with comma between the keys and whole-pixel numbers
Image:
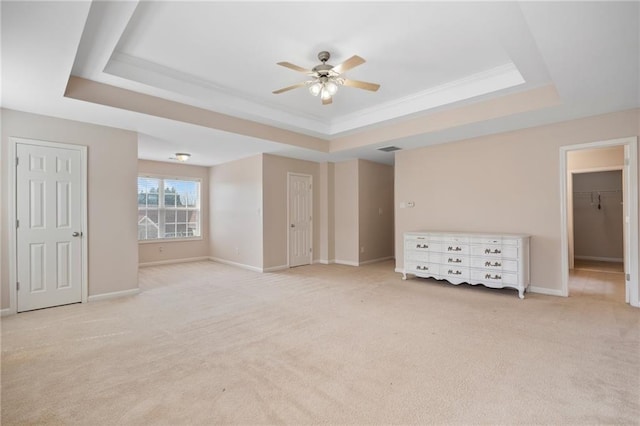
[
  {"x": 325, "y": 94},
  {"x": 182, "y": 156},
  {"x": 331, "y": 87},
  {"x": 315, "y": 88}
]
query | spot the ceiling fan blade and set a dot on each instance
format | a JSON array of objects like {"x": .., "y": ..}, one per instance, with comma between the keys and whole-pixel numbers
[
  {"x": 361, "y": 85},
  {"x": 327, "y": 101},
  {"x": 352, "y": 62},
  {"x": 295, "y": 67},
  {"x": 285, "y": 89}
]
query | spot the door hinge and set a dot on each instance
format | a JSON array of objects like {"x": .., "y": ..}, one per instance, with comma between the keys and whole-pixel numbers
[
  {"x": 17, "y": 223},
  {"x": 17, "y": 160},
  {"x": 310, "y": 249},
  {"x": 18, "y": 286},
  {"x": 628, "y": 277}
]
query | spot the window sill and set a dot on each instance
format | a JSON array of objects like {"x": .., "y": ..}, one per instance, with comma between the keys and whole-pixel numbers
[{"x": 169, "y": 240}]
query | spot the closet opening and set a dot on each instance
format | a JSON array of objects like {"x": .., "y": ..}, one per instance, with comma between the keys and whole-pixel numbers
[
  {"x": 598, "y": 230},
  {"x": 599, "y": 202}
]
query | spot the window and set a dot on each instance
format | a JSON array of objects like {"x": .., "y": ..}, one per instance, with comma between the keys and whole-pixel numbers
[{"x": 168, "y": 208}]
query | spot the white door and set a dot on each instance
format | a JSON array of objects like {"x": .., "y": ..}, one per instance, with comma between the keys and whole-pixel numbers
[
  {"x": 49, "y": 228},
  {"x": 300, "y": 229}
]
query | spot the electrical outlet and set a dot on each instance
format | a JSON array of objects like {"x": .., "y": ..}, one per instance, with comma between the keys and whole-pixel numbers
[
  {"x": 362, "y": 249},
  {"x": 160, "y": 249},
  {"x": 237, "y": 250}
]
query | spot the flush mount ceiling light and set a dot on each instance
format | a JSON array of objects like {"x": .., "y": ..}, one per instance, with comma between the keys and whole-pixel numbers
[
  {"x": 326, "y": 78},
  {"x": 182, "y": 156}
]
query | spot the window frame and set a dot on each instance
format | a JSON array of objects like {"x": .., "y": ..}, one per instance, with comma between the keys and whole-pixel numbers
[{"x": 161, "y": 222}]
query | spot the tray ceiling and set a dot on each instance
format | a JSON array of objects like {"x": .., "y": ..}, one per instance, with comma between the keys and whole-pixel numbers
[{"x": 432, "y": 59}]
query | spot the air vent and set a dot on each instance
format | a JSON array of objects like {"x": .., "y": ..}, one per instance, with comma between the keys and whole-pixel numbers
[{"x": 389, "y": 148}]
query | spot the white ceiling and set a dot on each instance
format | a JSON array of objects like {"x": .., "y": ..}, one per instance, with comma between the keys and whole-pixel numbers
[{"x": 428, "y": 57}]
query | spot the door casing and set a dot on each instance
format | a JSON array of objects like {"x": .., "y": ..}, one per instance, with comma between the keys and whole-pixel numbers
[
  {"x": 11, "y": 216},
  {"x": 630, "y": 196}
]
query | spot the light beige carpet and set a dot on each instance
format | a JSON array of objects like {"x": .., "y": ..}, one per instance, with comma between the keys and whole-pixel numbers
[
  {"x": 599, "y": 266},
  {"x": 206, "y": 343}
]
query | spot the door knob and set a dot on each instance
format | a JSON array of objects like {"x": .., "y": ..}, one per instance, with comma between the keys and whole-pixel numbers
[
  {"x": 293, "y": 226},
  {"x": 76, "y": 234}
]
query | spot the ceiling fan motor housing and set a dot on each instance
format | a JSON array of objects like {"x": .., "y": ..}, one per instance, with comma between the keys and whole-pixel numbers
[
  {"x": 324, "y": 56},
  {"x": 323, "y": 69}
]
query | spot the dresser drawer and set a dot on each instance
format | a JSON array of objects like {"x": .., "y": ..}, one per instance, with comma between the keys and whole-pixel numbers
[
  {"x": 496, "y": 277},
  {"x": 488, "y": 250},
  {"x": 451, "y": 272},
  {"x": 494, "y": 264},
  {"x": 454, "y": 260},
  {"x": 422, "y": 245},
  {"x": 421, "y": 267},
  {"x": 415, "y": 243},
  {"x": 450, "y": 248}
]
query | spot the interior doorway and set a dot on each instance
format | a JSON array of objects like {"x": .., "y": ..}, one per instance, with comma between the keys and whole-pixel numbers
[{"x": 593, "y": 247}]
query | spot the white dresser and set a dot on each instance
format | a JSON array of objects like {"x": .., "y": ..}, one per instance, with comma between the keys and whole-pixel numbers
[{"x": 494, "y": 260}]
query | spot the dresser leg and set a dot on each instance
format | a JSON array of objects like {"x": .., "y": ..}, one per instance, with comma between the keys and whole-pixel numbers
[
  {"x": 521, "y": 293},
  {"x": 404, "y": 276}
]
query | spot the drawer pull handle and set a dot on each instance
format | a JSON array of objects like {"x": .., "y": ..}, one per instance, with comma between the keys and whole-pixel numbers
[
  {"x": 422, "y": 268},
  {"x": 489, "y": 251},
  {"x": 495, "y": 277},
  {"x": 422, "y": 246},
  {"x": 451, "y": 272},
  {"x": 454, "y": 249},
  {"x": 492, "y": 264},
  {"x": 450, "y": 260}
]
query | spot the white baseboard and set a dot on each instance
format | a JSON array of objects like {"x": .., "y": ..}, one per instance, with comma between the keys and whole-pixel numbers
[
  {"x": 325, "y": 261},
  {"x": 6, "y": 311},
  {"x": 366, "y": 262},
  {"x": 113, "y": 295},
  {"x": 236, "y": 264},
  {"x": 547, "y": 291},
  {"x": 275, "y": 268},
  {"x": 380, "y": 259},
  {"x": 601, "y": 259},
  {"x": 172, "y": 261},
  {"x": 346, "y": 262}
]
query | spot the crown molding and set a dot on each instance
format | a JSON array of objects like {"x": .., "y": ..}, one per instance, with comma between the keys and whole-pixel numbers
[
  {"x": 210, "y": 95},
  {"x": 492, "y": 80}
]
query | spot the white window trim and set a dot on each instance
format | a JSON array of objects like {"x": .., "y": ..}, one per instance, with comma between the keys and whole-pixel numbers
[
  {"x": 171, "y": 240},
  {"x": 168, "y": 177}
]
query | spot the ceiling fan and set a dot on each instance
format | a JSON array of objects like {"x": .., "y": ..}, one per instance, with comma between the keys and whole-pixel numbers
[{"x": 326, "y": 78}]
